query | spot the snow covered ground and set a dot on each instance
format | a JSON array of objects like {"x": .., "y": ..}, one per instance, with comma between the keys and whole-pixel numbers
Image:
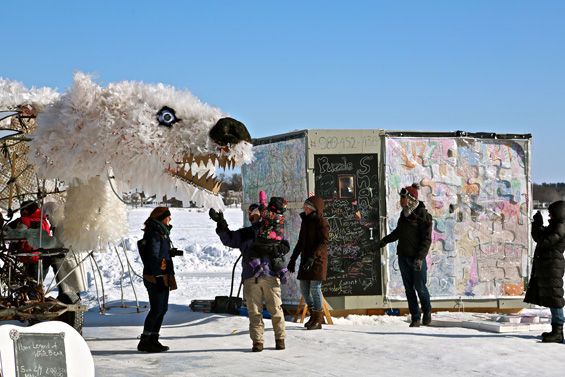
[{"x": 219, "y": 345}]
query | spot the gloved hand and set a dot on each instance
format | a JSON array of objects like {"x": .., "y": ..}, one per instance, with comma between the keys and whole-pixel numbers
[
  {"x": 418, "y": 264},
  {"x": 215, "y": 215},
  {"x": 380, "y": 244},
  {"x": 308, "y": 264},
  {"x": 291, "y": 266},
  {"x": 538, "y": 219},
  {"x": 160, "y": 283},
  {"x": 218, "y": 217}
]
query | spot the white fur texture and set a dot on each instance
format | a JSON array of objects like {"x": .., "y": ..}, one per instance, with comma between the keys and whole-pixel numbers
[
  {"x": 14, "y": 94},
  {"x": 91, "y": 224},
  {"x": 90, "y": 133}
]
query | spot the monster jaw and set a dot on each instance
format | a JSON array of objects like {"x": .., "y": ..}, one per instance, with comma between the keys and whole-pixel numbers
[{"x": 200, "y": 171}]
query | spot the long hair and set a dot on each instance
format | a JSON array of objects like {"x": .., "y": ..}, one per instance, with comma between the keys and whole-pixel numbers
[{"x": 156, "y": 214}]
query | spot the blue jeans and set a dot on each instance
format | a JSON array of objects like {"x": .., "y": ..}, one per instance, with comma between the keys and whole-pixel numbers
[
  {"x": 158, "y": 305},
  {"x": 312, "y": 293},
  {"x": 415, "y": 282},
  {"x": 557, "y": 316}
]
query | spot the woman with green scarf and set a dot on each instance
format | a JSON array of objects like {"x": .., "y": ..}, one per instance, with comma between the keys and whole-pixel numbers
[{"x": 158, "y": 275}]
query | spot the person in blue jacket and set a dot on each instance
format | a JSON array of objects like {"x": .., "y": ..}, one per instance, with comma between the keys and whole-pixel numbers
[
  {"x": 256, "y": 288},
  {"x": 155, "y": 249}
]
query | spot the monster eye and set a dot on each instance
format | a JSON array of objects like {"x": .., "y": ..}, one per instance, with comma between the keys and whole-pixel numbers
[{"x": 166, "y": 117}]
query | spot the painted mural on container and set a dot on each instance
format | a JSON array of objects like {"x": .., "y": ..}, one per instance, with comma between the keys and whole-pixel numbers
[
  {"x": 284, "y": 175},
  {"x": 280, "y": 173},
  {"x": 477, "y": 192}
]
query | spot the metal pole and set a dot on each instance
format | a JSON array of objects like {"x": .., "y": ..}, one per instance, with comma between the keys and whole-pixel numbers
[
  {"x": 70, "y": 272},
  {"x": 94, "y": 270},
  {"x": 121, "y": 275},
  {"x": 130, "y": 269}
]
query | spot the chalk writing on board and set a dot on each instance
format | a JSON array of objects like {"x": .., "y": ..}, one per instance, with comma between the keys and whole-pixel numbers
[
  {"x": 39, "y": 354},
  {"x": 353, "y": 265}
]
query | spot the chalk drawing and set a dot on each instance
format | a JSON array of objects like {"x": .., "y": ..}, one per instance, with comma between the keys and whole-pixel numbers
[
  {"x": 281, "y": 171},
  {"x": 476, "y": 191}
]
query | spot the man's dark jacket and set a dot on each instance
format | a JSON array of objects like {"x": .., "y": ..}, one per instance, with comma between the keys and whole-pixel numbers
[{"x": 413, "y": 233}]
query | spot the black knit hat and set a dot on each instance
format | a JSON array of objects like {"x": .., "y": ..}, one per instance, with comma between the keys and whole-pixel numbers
[
  {"x": 277, "y": 204},
  {"x": 164, "y": 215}
]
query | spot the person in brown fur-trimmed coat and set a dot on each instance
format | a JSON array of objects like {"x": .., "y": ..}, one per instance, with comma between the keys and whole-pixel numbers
[{"x": 312, "y": 246}]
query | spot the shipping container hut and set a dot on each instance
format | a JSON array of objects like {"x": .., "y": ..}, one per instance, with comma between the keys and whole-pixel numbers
[{"x": 475, "y": 185}]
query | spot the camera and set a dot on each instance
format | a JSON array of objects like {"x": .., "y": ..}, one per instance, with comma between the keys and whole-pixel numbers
[{"x": 176, "y": 252}]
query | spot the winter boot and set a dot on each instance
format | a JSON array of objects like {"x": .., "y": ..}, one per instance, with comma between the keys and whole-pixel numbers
[
  {"x": 415, "y": 323},
  {"x": 310, "y": 320},
  {"x": 257, "y": 347},
  {"x": 279, "y": 344},
  {"x": 544, "y": 334},
  {"x": 426, "y": 318},
  {"x": 317, "y": 322},
  {"x": 143, "y": 344},
  {"x": 154, "y": 339},
  {"x": 555, "y": 336}
]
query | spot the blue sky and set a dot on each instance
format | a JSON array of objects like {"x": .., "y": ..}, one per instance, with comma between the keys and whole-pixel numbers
[{"x": 481, "y": 65}]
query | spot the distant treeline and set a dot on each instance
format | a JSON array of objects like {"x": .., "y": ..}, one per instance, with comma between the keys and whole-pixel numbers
[{"x": 549, "y": 192}]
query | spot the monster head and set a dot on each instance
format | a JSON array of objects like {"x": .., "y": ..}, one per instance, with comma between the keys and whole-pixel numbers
[
  {"x": 128, "y": 135},
  {"x": 152, "y": 137}
]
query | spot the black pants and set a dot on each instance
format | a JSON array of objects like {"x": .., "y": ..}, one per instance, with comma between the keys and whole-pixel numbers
[{"x": 158, "y": 305}]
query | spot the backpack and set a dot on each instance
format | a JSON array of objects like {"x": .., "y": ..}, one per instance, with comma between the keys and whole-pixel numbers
[{"x": 141, "y": 247}]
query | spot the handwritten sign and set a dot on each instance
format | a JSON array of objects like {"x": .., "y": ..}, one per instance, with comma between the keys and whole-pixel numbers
[
  {"x": 352, "y": 212},
  {"x": 39, "y": 354}
]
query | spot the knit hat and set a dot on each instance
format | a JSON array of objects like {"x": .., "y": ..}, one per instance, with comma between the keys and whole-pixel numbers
[
  {"x": 277, "y": 205},
  {"x": 310, "y": 205},
  {"x": 164, "y": 215},
  {"x": 410, "y": 192}
]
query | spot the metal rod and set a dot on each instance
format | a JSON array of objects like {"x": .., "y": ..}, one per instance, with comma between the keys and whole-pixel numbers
[
  {"x": 70, "y": 272},
  {"x": 121, "y": 275},
  {"x": 101, "y": 284},
  {"x": 100, "y": 306},
  {"x": 130, "y": 269}
]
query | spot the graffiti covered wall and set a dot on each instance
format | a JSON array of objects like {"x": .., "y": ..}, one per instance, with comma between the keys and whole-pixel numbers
[
  {"x": 477, "y": 193},
  {"x": 280, "y": 170}
]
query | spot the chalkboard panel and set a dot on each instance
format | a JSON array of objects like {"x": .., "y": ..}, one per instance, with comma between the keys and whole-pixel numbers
[
  {"x": 39, "y": 354},
  {"x": 349, "y": 186}
]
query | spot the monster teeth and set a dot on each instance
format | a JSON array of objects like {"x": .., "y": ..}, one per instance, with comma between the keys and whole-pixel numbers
[{"x": 201, "y": 171}]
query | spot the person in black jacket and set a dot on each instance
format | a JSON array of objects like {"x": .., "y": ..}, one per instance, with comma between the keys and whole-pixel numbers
[
  {"x": 414, "y": 235},
  {"x": 158, "y": 276},
  {"x": 256, "y": 288},
  {"x": 546, "y": 282}
]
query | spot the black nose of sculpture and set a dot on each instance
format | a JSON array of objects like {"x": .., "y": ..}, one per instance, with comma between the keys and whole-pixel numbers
[{"x": 229, "y": 131}]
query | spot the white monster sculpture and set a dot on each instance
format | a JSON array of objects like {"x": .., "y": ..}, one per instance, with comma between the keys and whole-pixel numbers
[{"x": 126, "y": 136}]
